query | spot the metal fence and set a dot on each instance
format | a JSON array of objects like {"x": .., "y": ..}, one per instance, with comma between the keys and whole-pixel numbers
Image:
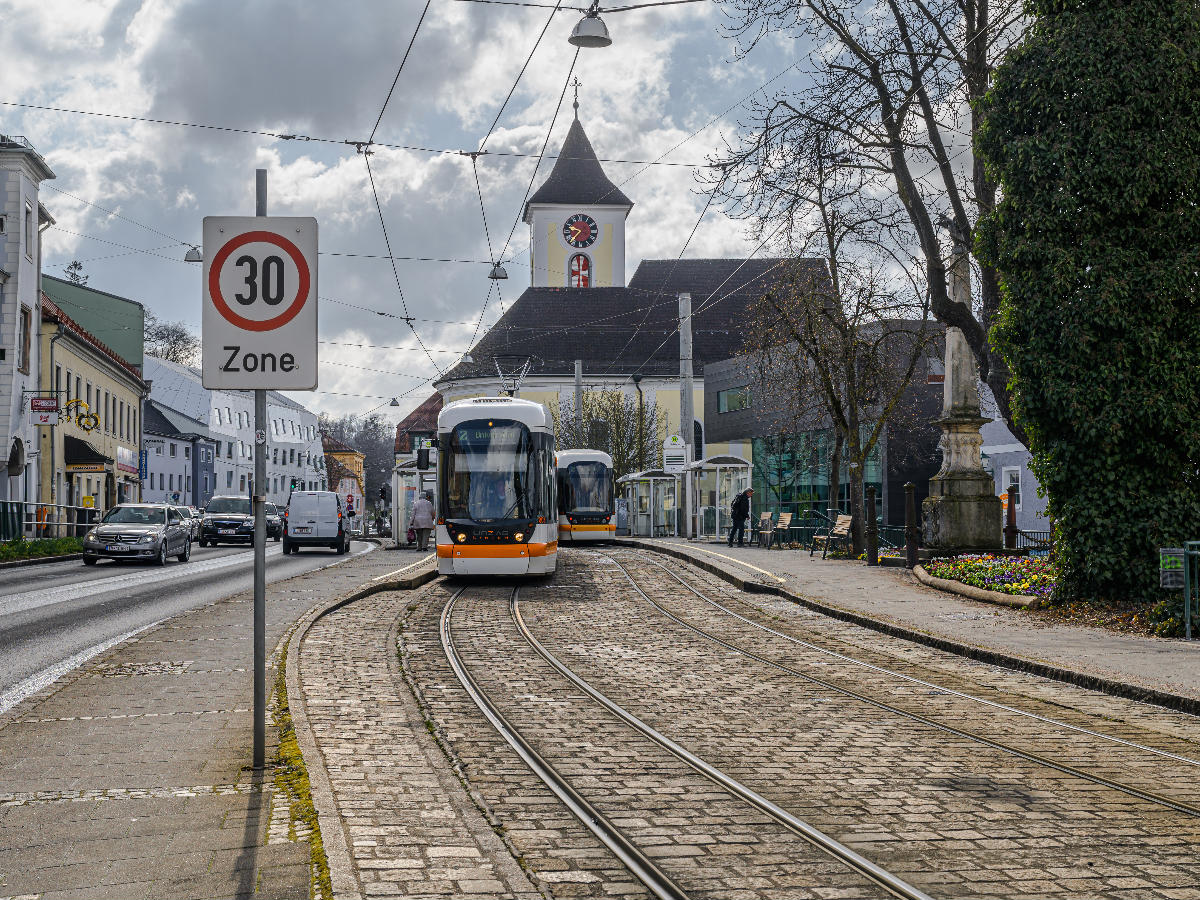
[{"x": 19, "y": 519}]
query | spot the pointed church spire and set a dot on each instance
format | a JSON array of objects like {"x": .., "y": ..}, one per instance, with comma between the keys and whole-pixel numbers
[
  {"x": 577, "y": 84},
  {"x": 577, "y": 177}
]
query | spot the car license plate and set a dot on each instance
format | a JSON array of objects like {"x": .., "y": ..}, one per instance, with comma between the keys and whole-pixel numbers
[
  {"x": 226, "y": 531},
  {"x": 116, "y": 548},
  {"x": 302, "y": 530}
]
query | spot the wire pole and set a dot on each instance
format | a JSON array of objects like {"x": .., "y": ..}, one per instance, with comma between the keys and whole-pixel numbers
[
  {"x": 260, "y": 537},
  {"x": 686, "y": 415}
]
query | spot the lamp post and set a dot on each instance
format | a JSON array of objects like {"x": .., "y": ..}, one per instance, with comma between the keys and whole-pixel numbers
[{"x": 641, "y": 460}]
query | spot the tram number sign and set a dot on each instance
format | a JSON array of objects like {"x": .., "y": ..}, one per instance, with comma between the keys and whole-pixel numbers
[{"x": 259, "y": 316}]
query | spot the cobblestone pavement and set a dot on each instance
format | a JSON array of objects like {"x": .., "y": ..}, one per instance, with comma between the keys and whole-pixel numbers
[
  {"x": 411, "y": 827},
  {"x": 435, "y": 803},
  {"x": 129, "y": 777}
]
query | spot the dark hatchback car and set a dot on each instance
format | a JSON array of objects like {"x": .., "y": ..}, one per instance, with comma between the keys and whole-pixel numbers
[
  {"x": 227, "y": 520},
  {"x": 146, "y": 531},
  {"x": 274, "y": 522}
]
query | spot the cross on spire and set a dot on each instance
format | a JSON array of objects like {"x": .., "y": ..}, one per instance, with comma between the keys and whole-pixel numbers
[{"x": 577, "y": 84}]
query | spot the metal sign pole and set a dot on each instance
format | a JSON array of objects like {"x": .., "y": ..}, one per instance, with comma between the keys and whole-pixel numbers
[{"x": 260, "y": 537}]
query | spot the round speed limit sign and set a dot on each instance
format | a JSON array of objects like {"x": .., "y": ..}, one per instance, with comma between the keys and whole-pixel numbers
[{"x": 260, "y": 303}]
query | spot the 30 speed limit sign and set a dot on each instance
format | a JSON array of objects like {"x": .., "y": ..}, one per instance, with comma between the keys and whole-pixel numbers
[{"x": 259, "y": 323}]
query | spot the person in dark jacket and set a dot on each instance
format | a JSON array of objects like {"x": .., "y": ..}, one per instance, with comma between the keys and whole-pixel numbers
[{"x": 740, "y": 513}]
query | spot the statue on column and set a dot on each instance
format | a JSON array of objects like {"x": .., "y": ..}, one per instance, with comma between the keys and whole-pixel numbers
[{"x": 962, "y": 511}]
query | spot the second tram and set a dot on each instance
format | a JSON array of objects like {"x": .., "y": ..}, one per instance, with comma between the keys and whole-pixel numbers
[
  {"x": 498, "y": 507},
  {"x": 585, "y": 496}
]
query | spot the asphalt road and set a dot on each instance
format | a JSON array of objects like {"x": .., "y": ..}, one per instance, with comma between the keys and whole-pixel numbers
[{"x": 55, "y": 617}]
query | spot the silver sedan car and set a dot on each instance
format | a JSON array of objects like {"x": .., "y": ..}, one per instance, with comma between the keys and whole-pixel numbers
[{"x": 145, "y": 531}]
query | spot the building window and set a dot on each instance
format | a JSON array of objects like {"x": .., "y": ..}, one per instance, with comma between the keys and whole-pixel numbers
[
  {"x": 187, "y": 452},
  {"x": 242, "y": 483},
  {"x": 26, "y": 333},
  {"x": 229, "y": 479},
  {"x": 580, "y": 272},
  {"x": 29, "y": 229},
  {"x": 1012, "y": 484},
  {"x": 292, "y": 454},
  {"x": 206, "y": 482},
  {"x": 229, "y": 450},
  {"x": 161, "y": 482},
  {"x": 733, "y": 399},
  {"x": 171, "y": 481},
  {"x": 172, "y": 454},
  {"x": 698, "y": 438}
]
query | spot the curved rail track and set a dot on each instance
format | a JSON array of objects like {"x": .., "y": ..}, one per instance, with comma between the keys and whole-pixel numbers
[
  {"x": 612, "y": 837},
  {"x": 1148, "y": 796}
]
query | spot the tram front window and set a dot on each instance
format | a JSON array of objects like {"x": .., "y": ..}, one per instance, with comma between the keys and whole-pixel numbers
[
  {"x": 589, "y": 487},
  {"x": 489, "y": 472}
]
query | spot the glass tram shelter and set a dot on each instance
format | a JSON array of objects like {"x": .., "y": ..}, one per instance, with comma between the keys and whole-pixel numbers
[
  {"x": 651, "y": 496},
  {"x": 712, "y": 484},
  {"x": 408, "y": 482}
]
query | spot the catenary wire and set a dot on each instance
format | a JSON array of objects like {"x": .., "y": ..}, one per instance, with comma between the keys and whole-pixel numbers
[{"x": 400, "y": 69}]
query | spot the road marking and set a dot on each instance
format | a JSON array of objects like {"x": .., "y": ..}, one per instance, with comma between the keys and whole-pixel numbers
[
  {"x": 15, "y": 603},
  {"x": 48, "y": 676},
  {"x": 730, "y": 558},
  {"x": 419, "y": 562}
]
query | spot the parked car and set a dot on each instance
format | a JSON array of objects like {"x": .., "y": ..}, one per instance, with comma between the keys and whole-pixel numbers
[
  {"x": 274, "y": 522},
  {"x": 147, "y": 531},
  {"x": 227, "y": 520},
  {"x": 192, "y": 519},
  {"x": 314, "y": 519}
]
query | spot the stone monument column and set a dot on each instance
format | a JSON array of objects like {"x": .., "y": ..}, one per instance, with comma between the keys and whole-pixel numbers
[{"x": 962, "y": 511}]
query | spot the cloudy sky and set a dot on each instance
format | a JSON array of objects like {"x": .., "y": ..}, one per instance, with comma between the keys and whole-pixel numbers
[{"x": 323, "y": 70}]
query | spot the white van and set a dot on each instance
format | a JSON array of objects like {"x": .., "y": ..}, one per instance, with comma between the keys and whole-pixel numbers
[{"x": 314, "y": 519}]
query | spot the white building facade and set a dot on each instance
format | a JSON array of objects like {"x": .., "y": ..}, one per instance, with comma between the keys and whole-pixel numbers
[
  {"x": 293, "y": 448},
  {"x": 22, "y": 219}
]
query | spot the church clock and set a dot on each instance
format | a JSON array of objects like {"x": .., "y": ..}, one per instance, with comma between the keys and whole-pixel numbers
[{"x": 580, "y": 230}]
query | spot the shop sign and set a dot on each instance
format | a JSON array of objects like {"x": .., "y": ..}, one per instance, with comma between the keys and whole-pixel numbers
[{"x": 126, "y": 460}]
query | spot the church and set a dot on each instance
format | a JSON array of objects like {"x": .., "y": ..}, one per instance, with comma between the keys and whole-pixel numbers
[{"x": 579, "y": 306}]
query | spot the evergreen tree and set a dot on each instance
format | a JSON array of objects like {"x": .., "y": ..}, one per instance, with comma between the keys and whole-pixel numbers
[{"x": 1092, "y": 127}]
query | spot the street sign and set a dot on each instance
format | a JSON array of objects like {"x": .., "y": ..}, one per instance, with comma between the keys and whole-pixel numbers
[
  {"x": 43, "y": 404},
  {"x": 259, "y": 299},
  {"x": 675, "y": 456},
  {"x": 45, "y": 418}
]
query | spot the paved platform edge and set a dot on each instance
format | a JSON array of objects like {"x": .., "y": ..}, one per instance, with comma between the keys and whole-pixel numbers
[
  {"x": 1017, "y": 601},
  {"x": 333, "y": 835},
  {"x": 1116, "y": 688}
]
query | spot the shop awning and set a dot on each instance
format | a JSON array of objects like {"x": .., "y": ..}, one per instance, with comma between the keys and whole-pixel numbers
[{"x": 78, "y": 452}]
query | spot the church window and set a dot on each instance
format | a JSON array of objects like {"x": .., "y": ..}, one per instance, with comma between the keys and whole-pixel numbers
[{"x": 579, "y": 272}]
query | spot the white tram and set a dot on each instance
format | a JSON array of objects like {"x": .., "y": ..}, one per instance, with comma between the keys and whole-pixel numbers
[
  {"x": 497, "y": 503},
  {"x": 585, "y": 496}
]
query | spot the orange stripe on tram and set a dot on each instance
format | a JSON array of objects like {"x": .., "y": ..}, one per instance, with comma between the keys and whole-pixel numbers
[{"x": 495, "y": 551}]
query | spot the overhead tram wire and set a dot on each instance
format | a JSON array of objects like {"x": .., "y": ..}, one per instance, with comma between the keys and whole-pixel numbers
[
  {"x": 365, "y": 150},
  {"x": 529, "y": 187},
  {"x": 474, "y": 165},
  {"x": 307, "y": 138}
]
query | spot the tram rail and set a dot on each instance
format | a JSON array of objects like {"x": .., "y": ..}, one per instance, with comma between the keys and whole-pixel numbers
[
  {"x": 1180, "y": 806},
  {"x": 660, "y": 884}
]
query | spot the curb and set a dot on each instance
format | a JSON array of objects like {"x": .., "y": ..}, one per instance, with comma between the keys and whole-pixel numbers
[
  {"x": 337, "y": 852},
  {"x": 1017, "y": 601},
  {"x": 1178, "y": 702},
  {"x": 39, "y": 561}
]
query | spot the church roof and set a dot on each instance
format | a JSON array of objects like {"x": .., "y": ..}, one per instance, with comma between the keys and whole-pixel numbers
[
  {"x": 578, "y": 177},
  {"x": 620, "y": 331}
]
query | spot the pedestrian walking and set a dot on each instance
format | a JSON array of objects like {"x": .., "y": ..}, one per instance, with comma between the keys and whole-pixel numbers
[
  {"x": 739, "y": 512},
  {"x": 422, "y": 519}
]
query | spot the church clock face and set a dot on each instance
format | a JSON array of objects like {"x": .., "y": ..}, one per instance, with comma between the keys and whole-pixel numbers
[{"x": 580, "y": 231}]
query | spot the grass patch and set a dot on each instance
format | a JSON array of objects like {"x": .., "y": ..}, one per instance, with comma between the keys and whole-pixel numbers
[
  {"x": 291, "y": 780},
  {"x": 39, "y": 548}
]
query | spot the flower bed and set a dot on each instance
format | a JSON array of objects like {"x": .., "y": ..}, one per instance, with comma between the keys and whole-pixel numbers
[
  {"x": 1033, "y": 576},
  {"x": 35, "y": 549}
]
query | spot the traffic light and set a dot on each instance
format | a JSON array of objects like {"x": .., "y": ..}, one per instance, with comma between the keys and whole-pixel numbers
[{"x": 382, "y": 492}]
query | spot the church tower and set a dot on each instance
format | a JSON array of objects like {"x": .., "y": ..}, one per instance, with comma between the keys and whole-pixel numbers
[{"x": 577, "y": 221}]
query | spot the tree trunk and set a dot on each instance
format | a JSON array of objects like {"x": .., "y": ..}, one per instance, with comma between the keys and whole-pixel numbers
[
  {"x": 835, "y": 474},
  {"x": 858, "y": 530}
]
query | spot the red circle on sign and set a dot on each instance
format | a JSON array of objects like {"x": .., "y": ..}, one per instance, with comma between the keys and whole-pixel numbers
[
  {"x": 252, "y": 237},
  {"x": 349, "y": 498}
]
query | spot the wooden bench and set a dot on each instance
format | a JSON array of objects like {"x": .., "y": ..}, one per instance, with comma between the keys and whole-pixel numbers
[
  {"x": 838, "y": 534},
  {"x": 779, "y": 534},
  {"x": 764, "y": 530}
]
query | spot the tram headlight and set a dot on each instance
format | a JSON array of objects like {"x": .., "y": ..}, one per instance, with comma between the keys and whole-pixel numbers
[
  {"x": 462, "y": 537},
  {"x": 520, "y": 536}
]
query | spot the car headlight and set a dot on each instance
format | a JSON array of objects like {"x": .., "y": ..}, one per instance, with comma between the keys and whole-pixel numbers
[
  {"x": 461, "y": 537},
  {"x": 148, "y": 538},
  {"x": 91, "y": 536},
  {"x": 520, "y": 536},
  {"x": 207, "y": 520}
]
